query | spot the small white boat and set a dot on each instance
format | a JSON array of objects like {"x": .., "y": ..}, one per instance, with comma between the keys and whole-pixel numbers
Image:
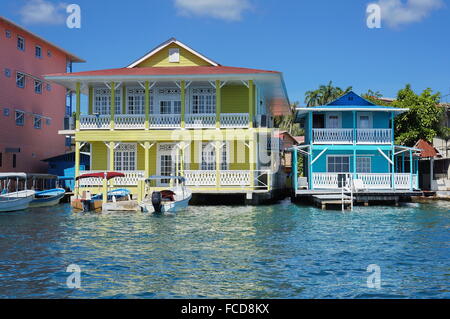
[
  {"x": 117, "y": 200},
  {"x": 47, "y": 198},
  {"x": 17, "y": 200},
  {"x": 171, "y": 200}
]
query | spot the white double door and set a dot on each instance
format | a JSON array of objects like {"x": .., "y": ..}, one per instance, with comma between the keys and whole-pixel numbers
[{"x": 168, "y": 157}]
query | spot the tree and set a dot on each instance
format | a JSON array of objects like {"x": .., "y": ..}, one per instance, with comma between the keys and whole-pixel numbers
[
  {"x": 287, "y": 123},
  {"x": 422, "y": 121},
  {"x": 324, "y": 94}
]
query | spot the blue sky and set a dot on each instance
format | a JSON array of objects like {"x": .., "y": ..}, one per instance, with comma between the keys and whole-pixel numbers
[{"x": 311, "y": 42}]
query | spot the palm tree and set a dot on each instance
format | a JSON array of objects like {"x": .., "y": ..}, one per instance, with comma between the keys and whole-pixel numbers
[
  {"x": 325, "y": 94},
  {"x": 287, "y": 123}
]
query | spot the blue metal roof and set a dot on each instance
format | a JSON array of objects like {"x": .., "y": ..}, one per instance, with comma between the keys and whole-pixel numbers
[{"x": 348, "y": 102}]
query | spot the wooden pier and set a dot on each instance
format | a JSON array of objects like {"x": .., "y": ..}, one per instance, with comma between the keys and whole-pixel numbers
[{"x": 325, "y": 199}]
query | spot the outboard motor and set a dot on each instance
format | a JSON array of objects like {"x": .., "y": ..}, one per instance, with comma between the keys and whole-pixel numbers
[
  {"x": 156, "y": 201},
  {"x": 86, "y": 206}
]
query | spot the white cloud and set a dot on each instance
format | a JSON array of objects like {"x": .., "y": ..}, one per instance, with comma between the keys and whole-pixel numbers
[
  {"x": 397, "y": 12},
  {"x": 43, "y": 12},
  {"x": 221, "y": 9}
]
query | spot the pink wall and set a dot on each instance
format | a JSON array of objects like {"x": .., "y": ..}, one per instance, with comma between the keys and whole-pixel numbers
[{"x": 34, "y": 144}]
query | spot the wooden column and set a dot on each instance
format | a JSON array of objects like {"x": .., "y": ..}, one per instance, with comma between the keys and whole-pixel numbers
[
  {"x": 393, "y": 167},
  {"x": 147, "y": 159},
  {"x": 111, "y": 155},
  {"x": 218, "y": 103},
  {"x": 91, "y": 101},
  {"x": 183, "y": 103},
  {"x": 410, "y": 170},
  {"x": 113, "y": 105},
  {"x": 147, "y": 105},
  {"x": 252, "y": 159},
  {"x": 251, "y": 103},
  {"x": 295, "y": 170},
  {"x": 77, "y": 165},
  {"x": 218, "y": 152},
  {"x": 78, "y": 106}
]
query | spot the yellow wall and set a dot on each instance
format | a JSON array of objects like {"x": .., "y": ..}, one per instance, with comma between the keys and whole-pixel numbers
[
  {"x": 100, "y": 157},
  {"x": 235, "y": 99},
  {"x": 161, "y": 59}
]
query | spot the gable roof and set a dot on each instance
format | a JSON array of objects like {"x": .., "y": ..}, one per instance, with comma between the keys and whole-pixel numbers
[
  {"x": 163, "y": 71},
  {"x": 351, "y": 98},
  {"x": 426, "y": 149},
  {"x": 166, "y": 44},
  {"x": 348, "y": 102}
]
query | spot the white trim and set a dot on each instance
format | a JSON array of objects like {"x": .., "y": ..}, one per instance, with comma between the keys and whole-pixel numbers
[
  {"x": 385, "y": 156},
  {"x": 116, "y": 144},
  {"x": 172, "y": 153},
  {"x": 318, "y": 156},
  {"x": 372, "y": 109},
  {"x": 164, "y": 45},
  {"x": 225, "y": 144}
]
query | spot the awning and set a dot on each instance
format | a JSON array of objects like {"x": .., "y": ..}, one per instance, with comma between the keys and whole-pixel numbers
[{"x": 103, "y": 175}]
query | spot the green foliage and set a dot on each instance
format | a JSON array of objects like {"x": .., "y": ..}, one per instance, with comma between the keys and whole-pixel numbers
[
  {"x": 422, "y": 121},
  {"x": 287, "y": 123},
  {"x": 324, "y": 94},
  {"x": 375, "y": 98}
]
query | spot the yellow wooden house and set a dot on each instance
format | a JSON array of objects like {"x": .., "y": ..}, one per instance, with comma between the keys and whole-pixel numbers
[{"x": 176, "y": 112}]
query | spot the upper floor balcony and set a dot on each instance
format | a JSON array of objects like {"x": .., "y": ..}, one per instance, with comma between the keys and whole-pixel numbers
[
  {"x": 164, "y": 121},
  {"x": 167, "y": 105},
  {"x": 350, "y": 136}
]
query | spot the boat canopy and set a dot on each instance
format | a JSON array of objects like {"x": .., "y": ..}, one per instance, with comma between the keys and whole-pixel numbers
[
  {"x": 153, "y": 178},
  {"x": 13, "y": 175},
  {"x": 103, "y": 175}
]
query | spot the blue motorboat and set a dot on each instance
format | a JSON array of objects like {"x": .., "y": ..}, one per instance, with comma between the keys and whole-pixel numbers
[{"x": 48, "y": 197}]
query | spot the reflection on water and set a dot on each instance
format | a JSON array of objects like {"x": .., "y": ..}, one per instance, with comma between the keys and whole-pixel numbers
[{"x": 279, "y": 251}]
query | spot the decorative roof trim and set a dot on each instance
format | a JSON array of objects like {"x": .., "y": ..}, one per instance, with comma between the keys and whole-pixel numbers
[{"x": 167, "y": 43}]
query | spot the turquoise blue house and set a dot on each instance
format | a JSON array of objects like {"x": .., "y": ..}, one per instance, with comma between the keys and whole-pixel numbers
[{"x": 352, "y": 138}]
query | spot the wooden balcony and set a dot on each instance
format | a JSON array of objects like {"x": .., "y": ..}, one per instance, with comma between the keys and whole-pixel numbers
[
  {"x": 163, "y": 121},
  {"x": 200, "y": 179},
  {"x": 346, "y": 136},
  {"x": 372, "y": 181}
]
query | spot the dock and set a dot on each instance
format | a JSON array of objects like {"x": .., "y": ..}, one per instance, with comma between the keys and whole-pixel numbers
[
  {"x": 324, "y": 198},
  {"x": 323, "y": 201}
]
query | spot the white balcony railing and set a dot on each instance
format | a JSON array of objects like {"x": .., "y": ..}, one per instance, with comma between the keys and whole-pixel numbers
[
  {"x": 131, "y": 179},
  {"x": 234, "y": 120},
  {"x": 130, "y": 122},
  {"x": 342, "y": 136},
  {"x": 371, "y": 180},
  {"x": 200, "y": 178},
  {"x": 235, "y": 178},
  {"x": 200, "y": 120},
  {"x": 375, "y": 136},
  {"x": 163, "y": 121},
  {"x": 228, "y": 178},
  {"x": 345, "y": 136},
  {"x": 95, "y": 122},
  {"x": 376, "y": 181}
]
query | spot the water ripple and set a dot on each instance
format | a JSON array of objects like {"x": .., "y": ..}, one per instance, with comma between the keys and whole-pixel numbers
[{"x": 279, "y": 251}]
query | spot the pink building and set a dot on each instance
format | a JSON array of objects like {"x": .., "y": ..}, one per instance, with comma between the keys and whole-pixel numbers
[{"x": 32, "y": 110}]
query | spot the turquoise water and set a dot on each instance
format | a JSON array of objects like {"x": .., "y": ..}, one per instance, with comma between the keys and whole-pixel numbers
[{"x": 279, "y": 251}]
